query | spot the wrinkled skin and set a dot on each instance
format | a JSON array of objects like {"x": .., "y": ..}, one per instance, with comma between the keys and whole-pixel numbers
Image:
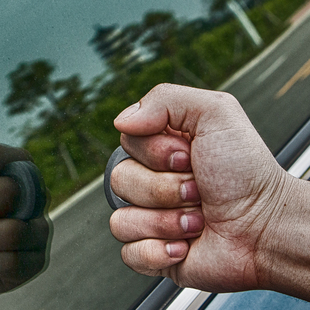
[
  {"x": 22, "y": 244},
  {"x": 235, "y": 226}
]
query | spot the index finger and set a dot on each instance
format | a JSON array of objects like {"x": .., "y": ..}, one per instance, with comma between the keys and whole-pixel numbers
[
  {"x": 161, "y": 152},
  {"x": 144, "y": 187}
]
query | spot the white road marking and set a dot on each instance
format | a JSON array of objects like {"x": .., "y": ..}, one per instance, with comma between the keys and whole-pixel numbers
[
  {"x": 271, "y": 69},
  {"x": 73, "y": 200},
  {"x": 266, "y": 52}
]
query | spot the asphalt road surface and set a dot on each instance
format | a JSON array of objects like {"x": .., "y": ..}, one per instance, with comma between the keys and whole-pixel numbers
[
  {"x": 275, "y": 93},
  {"x": 85, "y": 270}
]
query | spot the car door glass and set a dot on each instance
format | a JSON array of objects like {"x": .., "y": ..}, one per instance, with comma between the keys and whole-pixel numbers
[
  {"x": 52, "y": 77},
  {"x": 68, "y": 68}
]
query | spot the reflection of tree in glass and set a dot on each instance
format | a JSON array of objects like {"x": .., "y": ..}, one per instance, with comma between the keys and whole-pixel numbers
[
  {"x": 29, "y": 83},
  {"x": 32, "y": 87},
  {"x": 62, "y": 103},
  {"x": 160, "y": 36},
  {"x": 76, "y": 134},
  {"x": 116, "y": 47}
]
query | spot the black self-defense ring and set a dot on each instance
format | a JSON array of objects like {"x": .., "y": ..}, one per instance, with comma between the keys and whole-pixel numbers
[
  {"x": 33, "y": 196},
  {"x": 114, "y": 201}
]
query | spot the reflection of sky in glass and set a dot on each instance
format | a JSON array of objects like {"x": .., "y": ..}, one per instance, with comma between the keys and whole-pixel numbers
[{"x": 59, "y": 30}]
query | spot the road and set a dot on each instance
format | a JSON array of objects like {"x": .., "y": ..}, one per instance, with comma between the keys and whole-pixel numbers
[
  {"x": 85, "y": 270},
  {"x": 275, "y": 94}
]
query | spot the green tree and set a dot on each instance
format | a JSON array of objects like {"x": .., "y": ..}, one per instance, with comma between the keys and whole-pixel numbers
[
  {"x": 32, "y": 87},
  {"x": 116, "y": 46},
  {"x": 137, "y": 47},
  {"x": 29, "y": 83},
  {"x": 61, "y": 105}
]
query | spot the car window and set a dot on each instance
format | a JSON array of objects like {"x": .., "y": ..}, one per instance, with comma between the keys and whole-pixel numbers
[
  {"x": 54, "y": 104},
  {"x": 69, "y": 67}
]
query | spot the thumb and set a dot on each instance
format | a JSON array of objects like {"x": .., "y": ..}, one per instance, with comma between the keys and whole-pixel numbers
[{"x": 180, "y": 107}]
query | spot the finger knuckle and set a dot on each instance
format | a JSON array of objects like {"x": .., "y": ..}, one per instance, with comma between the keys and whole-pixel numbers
[
  {"x": 148, "y": 253},
  {"x": 162, "y": 90},
  {"x": 116, "y": 224},
  {"x": 162, "y": 87},
  {"x": 114, "y": 179},
  {"x": 166, "y": 224},
  {"x": 139, "y": 255},
  {"x": 164, "y": 192},
  {"x": 133, "y": 256},
  {"x": 223, "y": 96}
]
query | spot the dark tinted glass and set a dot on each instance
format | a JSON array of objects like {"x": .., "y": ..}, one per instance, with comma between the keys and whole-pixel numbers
[{"x": 69, "y": 67}]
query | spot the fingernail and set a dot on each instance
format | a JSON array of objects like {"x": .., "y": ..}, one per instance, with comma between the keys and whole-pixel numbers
[
  {"x": 189, "y": 191},
  {"x": 192, "y": 222},
  {"x": 129, "y": 111},
  {"x": 179, "y": 161},
  {"x": 176, "y": 249}
]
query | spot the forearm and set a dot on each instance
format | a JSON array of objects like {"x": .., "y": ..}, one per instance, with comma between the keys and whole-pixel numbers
[{"x": 283, "y": 264}]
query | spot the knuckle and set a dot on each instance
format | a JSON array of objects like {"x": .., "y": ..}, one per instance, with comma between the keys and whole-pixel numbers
[
  {"x": 167, "y": 224},
  {"x": 124, "y": 255},
  {"x": 130, "y": 255},
  {"x": 161, "y": 90},
  {"x": 117, "y": 177},
  {"x": 115, "y": 224},
  {"x": 224, "y": 96},
  {"x": 114, "y": 178},
  {"x": 229, "y": 100},
  {"x": 165, "y": 191},
  {"x": 148, "y": 253},
  {"x": 139, "y": 256},
  {"x": 162, "y": 87},
  {"x": 120, "y": 176},
  {"x": 160, "y": 224},
  {"x": 121, "y": 225}
]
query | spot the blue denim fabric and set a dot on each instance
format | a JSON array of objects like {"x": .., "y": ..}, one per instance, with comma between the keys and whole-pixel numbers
[{"x": 261, "y": 300}]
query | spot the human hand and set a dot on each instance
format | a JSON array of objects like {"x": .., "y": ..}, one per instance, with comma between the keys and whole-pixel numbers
[
  {"x": 244, "y": 194},
  {"x": 22, "y": 244}
]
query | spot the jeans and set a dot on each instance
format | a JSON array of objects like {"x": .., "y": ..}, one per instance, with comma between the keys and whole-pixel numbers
[{"x": 261, "y": 300}]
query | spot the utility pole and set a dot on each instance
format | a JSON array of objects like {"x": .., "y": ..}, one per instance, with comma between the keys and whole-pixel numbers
[
  {"x": 64, "y": 152},
  {"x": 245, "y": 22}
]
